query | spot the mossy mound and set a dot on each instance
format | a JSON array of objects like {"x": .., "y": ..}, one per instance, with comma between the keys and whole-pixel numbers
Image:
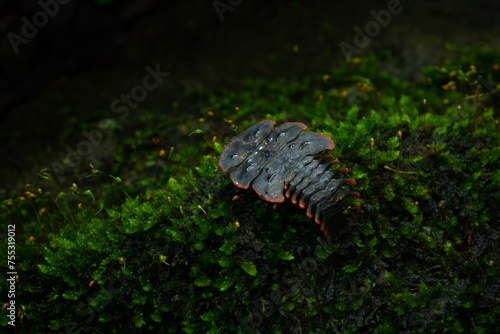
[{"x": 169, "y": 247}]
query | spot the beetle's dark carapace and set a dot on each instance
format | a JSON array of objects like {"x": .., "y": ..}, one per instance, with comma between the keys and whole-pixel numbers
[{"x": 287, "y": 162}]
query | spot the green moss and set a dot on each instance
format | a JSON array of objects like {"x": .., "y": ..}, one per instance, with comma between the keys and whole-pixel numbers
[{"x": 167, "y": 247}]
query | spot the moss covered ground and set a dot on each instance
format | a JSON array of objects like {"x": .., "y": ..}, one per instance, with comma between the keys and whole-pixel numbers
[{"x": 159, "y": 240}]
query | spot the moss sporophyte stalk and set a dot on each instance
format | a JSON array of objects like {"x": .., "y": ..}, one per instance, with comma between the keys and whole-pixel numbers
[{"x": 166, "y": 243}]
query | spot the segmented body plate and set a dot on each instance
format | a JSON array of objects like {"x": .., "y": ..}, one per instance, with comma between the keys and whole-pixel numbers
[{"x": 284, "y": 159}]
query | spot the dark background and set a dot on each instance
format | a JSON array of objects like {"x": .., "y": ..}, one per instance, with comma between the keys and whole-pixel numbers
[{"x": 90, "y": 52}]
